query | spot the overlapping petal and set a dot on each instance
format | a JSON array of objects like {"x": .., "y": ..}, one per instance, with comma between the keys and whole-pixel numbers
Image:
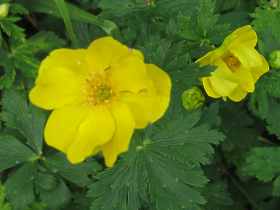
[
  {"x": 63, "y": 124},
  {"x": 209, "y": 88},
  {"x": 249, "y": 57},
  {"x": 150, "y": 104},
  {"x": 94, "y": 131},
  {"x": 129, "y": 74},
  {"x": 119, "y": 143}
]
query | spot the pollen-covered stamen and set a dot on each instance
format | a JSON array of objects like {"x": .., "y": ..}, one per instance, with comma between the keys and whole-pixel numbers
[
  {"x": 98, "y": 90},
  {"x": 232, "y": 62}
]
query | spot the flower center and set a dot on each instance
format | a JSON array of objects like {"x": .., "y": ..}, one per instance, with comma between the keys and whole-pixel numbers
[
  {"x": 232, "y": 62},
  {"x": 98, "y": 90}
]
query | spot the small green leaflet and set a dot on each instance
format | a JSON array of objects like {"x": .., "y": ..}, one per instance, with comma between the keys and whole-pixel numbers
[
  {"x": 13, "y": 152},
  {"x": 263, "y": 163},
  {"x": 24, "y": 117}
]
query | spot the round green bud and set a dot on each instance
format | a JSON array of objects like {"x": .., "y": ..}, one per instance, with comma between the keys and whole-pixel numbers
[
  {"x": 274, "y": 59},
  {"x": 193, "y": 99},
  {"x": 150, "y": 3},
  {"x": 4, "y": 10},
  {"x": 274, "y": 3}
]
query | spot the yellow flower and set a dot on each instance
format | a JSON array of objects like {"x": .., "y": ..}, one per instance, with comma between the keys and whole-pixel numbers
[
  {"x": 238, "y": 63},
  {"x": 98, "y": 96}
]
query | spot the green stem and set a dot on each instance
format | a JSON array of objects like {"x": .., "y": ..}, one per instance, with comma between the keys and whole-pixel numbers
[
  {"x": 237, "y": 184},
  {"x": 244, "y": 192}
]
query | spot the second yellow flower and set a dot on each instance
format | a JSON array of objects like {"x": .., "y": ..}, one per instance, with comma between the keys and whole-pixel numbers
[{"x": 238, "y": 66}]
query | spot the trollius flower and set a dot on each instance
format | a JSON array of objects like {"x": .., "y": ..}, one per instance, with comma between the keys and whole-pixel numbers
[
  {"x": 98, "y": 96},
  {"x": 239, "y": 66}
]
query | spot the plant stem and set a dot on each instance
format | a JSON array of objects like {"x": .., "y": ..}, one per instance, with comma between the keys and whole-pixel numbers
[
  {"x": 63, "y": 10},
  {"x": 244, "y": 192}
]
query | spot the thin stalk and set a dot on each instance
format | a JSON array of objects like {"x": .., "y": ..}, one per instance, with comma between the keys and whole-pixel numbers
[{"x": 63, "y": 10}]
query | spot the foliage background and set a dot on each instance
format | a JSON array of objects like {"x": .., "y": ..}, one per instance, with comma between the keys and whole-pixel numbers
[{"x": 223, "y": 156}]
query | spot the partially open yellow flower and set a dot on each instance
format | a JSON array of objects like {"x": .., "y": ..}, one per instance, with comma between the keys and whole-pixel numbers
[
  {"x": 99, "y": 96},
  {"x": 239, "y": 66}
]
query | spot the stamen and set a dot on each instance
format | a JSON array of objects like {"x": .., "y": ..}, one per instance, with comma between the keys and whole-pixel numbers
[
  {"x": 98, "y": 89},
  {"x": 232, "y": 62}
]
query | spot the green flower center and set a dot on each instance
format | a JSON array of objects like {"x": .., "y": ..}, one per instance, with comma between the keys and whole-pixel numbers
[
  {"x": 104, "y": 93},
  {"x": 98, "y": 90}
]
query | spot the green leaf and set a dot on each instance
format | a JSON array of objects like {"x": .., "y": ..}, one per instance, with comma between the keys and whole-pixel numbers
[
  {"x": 56, "y": 197},
  {"x": 264, "y": 101},
  {"x": 78, "y": 174},
  {"x": 131, "y": 7},
  {"x": 190, "y": 75},
  {"x": 24, "y": 117},
  {"x": 45, "y": 180},
  {"x": 19, "y": 187},
  {"x": 161, "y": 169},
  {"x": 41, "y": 42},
  {"x": 3, "y": 204},
  {"x": 63, "y": 11},
  {"x": 8, "y": 25},
  {"x": 24, "y": 55},
  {"x": 267, "y": 25},
  {"x": 206, "y": 18},
  {"x": 202, "y": 26},
  {"x": 77, "y": 14},
  {"x": 7, "y": 80},
  {"x": 218, "y": 198},
  {"x": 37, "y": 206},
  {"x": 18, "y": 9},
  {"x": 263, "y": 163},
  {"x": 276, "y": 187},
  {"x": 13, "y": 152},
  {"x": 123, "y": 7}
]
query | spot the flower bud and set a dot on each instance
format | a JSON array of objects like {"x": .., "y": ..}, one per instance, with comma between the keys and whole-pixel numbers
[
  {"x": 150, "y": 3},
  {"x": 274, "y": 59},
  {"x": 4, "y": 10},
  {"x": 193, "y": 99},
  {"x": 274, "y": 3}
]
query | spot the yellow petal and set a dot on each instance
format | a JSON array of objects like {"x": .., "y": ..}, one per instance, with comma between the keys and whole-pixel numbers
[
  {"x": 238, "y": 95},
  {"x": 129, "y": 74},
  {"x": 245, "y": 79},
  {"x": 150, "y": 104},
  {"x": 62, "y": 126},
  {"x": 137, "y": 53},
  {"x": 105, "y": 51},
  {"x": 211, "y": 57},
  {"x": 242, "y": 76},
  {"x": 249, "y": 57},
  {"x": 124, "y": 130},
  {"x": 140, "y": 106},
  {"x": 245, "y": 36},
  {"x": 96, "y": 130},
  {"x": 209, "y": 88},
  {"x": 222, "y": 86},
  {"x": 257, "y": 72},
  {"x": 162, "y": 84},
  {"x": 60, "y": 79}
]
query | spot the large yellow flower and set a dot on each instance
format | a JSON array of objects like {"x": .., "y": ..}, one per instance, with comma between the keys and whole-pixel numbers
[
  {"x": 98, "y": 96},
  {"x": 238, "y": 64}
]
